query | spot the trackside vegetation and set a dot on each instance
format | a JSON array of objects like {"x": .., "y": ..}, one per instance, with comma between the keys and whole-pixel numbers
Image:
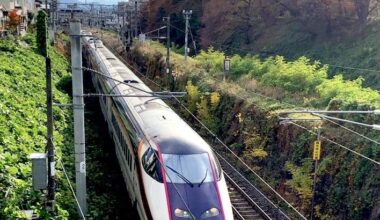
[
  {"x": 23, "y": 129},
  {"x": 244, "y": 109}
]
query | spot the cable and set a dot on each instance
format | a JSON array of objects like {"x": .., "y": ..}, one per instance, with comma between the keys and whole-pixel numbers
[
  {"x": 333, "y": 65},
  {"x": 209, "y": 131},
  {"x": 71, "y": 187},
  {"x": 333, "y": 142},
  {"x": 147, "y": 141},
  {"x": 348, "y": 121},
  {"x": 348, "y": 129},
  {"x": 354, "y": 68},
  {"x": 233, "y": 153}
]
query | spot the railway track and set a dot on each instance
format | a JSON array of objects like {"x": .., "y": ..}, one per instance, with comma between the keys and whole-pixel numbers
[
  {"x": 243, "y": 208},
  {"x": 248, "y": 202}
]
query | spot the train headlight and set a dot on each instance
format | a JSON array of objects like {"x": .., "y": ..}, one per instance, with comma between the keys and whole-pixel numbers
[
  {"x": 210, "y": 213},
  {"x": 182, "y": 213}
]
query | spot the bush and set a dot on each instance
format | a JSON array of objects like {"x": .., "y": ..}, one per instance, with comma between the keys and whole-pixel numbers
[
  {"x": 297, "y": 76},
  {"x": 211, "y": 60},
  {"x": 348, "y": 92}
]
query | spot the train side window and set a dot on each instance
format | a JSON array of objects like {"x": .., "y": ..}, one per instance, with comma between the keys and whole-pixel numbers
[
  {"x": 152, "y": 165},
  {"x": 131, "y": 130}
]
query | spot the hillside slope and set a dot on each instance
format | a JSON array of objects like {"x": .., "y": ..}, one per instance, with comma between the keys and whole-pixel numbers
[
  {"x": 23, "y": 129},
  {"x": 341, "y": 32},
  {"x": 243, "y": 111}
]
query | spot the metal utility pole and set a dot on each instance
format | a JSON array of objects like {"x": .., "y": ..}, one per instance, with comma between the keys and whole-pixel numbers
[
  {"x": 54, "y": 18},
  {"x": 168, "y": 69},
  {"x": 78, "y": 106},
  {"x": 101, "y": 17},
  {"x": 316, "y": 158},
  {"x": 136, "y": 19},
  {"x": 187, "y": 15},
  {"x": 129, "y": 26},
  {"x": 50, "y": 128},
  {"x": 124, "y": 14}
]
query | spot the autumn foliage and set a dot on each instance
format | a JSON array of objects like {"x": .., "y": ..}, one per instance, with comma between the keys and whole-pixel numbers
[{"x": 14, "y": 20}]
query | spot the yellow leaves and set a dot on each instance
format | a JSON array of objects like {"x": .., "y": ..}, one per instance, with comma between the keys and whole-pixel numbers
[
  {"x": 259, "y": 153},
  {"x": 301, "y": 181},
  {"x": 202, "y": 109},
  {"x": 240, "y": 117},
  {"x": 215, "y": 99},
  {"x": 193, "y": 95},
  {"x": 192, "y": 91},
  {"x": 254, "y": 150}
]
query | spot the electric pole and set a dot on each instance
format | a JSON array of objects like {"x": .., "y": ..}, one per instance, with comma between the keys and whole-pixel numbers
[
  {"x": 316, "y": 158},
  {"x": 136, "y": 19},
  {"x": 168, "y": 69},
  {"x": 129, "y": 26},
  {"x": 78, "y": 106},
  {"x": 187, "y": 15},
  {"x": 50, "y": 128}
]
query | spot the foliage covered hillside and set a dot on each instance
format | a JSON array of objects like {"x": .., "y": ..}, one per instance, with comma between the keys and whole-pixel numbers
[
  {"x": 244, "y": 112},
  {"x": 342, "y": 33},
  {"x": 23, "y": 129}
]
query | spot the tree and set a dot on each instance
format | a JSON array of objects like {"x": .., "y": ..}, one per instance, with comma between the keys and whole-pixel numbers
[
  {"x": 42, "y": 33},
  {"x": 14, "y": 20},
  {"x": 363, "y": 10}
]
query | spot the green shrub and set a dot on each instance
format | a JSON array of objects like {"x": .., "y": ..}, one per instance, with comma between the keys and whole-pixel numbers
[
  {"x": 211, "y": 60},
  {"x": 296, "y": 76},
  {"x": 347, "y": 92}
]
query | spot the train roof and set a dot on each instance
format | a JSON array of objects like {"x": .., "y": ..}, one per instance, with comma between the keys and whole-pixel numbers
[{"x": 154, "y": 117}]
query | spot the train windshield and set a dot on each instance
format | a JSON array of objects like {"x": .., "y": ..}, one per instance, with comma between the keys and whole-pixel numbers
[{"x": 191, "y": 169}]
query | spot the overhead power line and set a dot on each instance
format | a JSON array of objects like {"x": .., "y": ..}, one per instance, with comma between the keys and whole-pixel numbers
[
  {"x": 333, "y": 142},
  {"x": 220, "y": 45},
  {"x": 348, "y": 129},
  {"x": 225, "y": 146},
  {"x": 374, "y": 126}
]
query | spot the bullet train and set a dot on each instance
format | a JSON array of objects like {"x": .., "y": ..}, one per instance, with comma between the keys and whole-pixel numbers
[{"x": 169, "y": 170}]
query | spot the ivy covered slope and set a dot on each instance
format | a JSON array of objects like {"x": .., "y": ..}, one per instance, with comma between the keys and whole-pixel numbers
[
  {"x": 244, "y": 110},
  {"x": 23, "y": 126}
]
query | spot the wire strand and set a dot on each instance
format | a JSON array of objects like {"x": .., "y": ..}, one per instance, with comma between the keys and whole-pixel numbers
[
  {"x": 157, "y": 156},
  {"x": 348, "y": 129},
  {"x": 71, "y": 187},
  {"x": 333, "y": 142},
  {"x": 209, "y": 131}
]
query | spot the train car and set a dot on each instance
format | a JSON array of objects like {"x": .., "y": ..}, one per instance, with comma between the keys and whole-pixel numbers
[{"x": 169, "y": 170}]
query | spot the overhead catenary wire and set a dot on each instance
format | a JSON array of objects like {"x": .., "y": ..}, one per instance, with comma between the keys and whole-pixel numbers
[
  {"x": 333, "y": 142},
  {"x": 71, "y": 188},
  {"x": 348, "y": 129},
  {"x": 224, "y": 145},
  {"x": 147, "y": 140},
  {"x": 348, "y": 121},
  {"x": 221, "y": 46},
  {"x": 235, "y": 155}
]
